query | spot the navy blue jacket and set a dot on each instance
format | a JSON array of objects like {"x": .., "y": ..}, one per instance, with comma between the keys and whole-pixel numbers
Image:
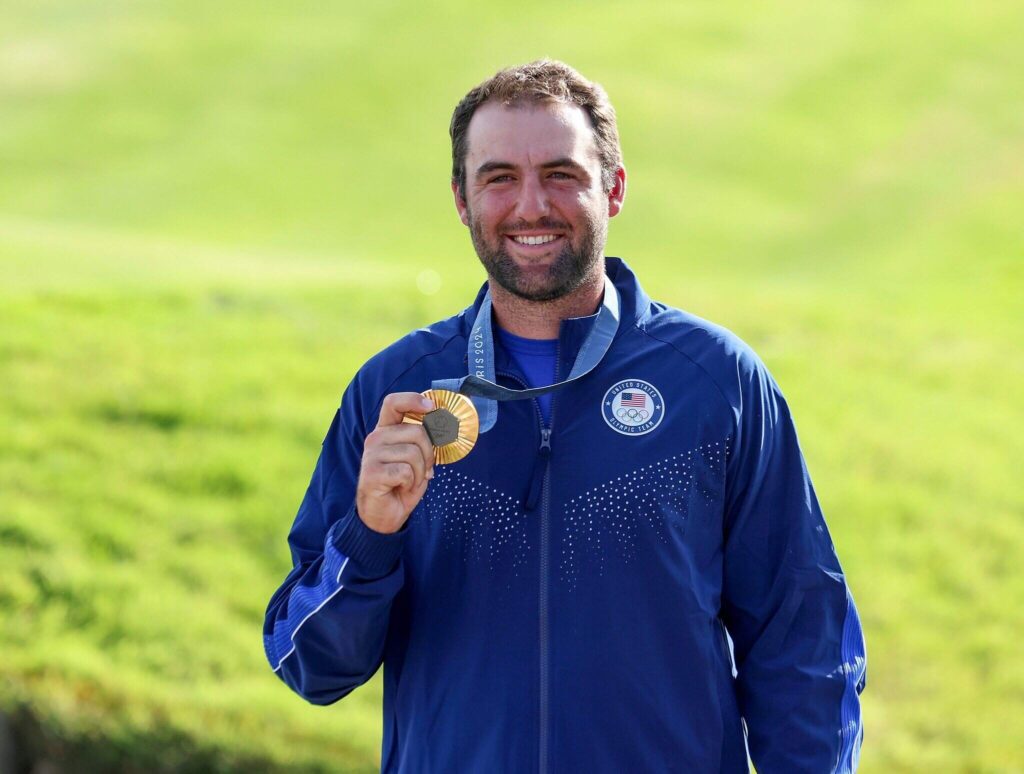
[{"x": 617, "y": 592}]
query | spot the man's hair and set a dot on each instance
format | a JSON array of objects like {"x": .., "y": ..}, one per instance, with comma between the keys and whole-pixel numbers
[{"x": 544, "y": 80}]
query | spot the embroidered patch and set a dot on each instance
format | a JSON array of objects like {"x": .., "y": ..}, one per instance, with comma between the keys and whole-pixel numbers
[{"x": 633, "y": 407}]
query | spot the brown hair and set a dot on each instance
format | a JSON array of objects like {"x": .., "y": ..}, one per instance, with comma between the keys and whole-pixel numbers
[{"x": 544, "y": 80}]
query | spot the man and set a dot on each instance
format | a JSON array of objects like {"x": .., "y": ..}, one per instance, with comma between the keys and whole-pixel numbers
[{"x": 624, "y": 570}]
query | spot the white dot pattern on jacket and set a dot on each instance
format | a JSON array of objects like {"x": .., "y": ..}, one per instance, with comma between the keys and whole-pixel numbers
[
  {"x": 485, "y": 523},
  {"x": 488, "y": 525},
  {"x": 654, "y": 498}
]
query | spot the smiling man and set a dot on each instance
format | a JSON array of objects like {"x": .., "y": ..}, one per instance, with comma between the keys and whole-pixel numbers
[
  {"x": 537, "y": 204},
  {"x": 630, "y": 571}
]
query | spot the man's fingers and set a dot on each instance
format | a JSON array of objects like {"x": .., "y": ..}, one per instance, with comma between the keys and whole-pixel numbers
[
  {"x": 409, "y": 453},
  {"x": 417, "y": 492},
  {"x": 398, "y": 403},
  {"x": 397, "y": 474},
  {"x": 391, "y": 435},
  {"x": 397, "y": 464}
]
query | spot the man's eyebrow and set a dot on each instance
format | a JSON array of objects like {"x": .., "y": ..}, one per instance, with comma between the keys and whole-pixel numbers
[
  {"x": 565, "y": 161},
  {"x": 491, "y": 166}
]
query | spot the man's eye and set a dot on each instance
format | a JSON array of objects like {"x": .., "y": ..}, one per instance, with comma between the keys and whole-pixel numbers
[
  {"x": 500, "y": 179},
  {"x": 561, "y": 176}
]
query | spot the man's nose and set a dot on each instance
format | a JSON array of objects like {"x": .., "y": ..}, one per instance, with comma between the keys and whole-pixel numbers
[{"x": 532, "y": 203}]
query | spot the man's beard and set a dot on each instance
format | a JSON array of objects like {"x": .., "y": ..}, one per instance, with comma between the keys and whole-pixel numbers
[{"x": 566, "y": 273}]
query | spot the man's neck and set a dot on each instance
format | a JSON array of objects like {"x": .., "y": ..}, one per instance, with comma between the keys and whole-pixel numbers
[{"x": 543, "y": 319}]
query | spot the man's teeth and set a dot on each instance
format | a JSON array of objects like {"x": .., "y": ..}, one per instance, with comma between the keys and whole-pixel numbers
[{"x": 536, "y": 240}]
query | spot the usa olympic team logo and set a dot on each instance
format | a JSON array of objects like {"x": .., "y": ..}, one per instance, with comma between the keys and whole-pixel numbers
[{"x": 633, "y": 407}]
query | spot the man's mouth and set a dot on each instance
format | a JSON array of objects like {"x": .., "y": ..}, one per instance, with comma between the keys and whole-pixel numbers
[{"x": 533, "y": 239}]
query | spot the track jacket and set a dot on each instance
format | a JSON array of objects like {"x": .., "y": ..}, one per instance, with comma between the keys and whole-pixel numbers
[{"x": 616, "y": 592}]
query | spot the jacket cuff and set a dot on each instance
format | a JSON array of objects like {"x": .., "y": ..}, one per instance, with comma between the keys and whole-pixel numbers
[{"x": 374, "y": 552}]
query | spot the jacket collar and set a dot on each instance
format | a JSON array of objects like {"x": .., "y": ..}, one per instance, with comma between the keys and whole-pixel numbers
[{"x": 635, "y": 305}]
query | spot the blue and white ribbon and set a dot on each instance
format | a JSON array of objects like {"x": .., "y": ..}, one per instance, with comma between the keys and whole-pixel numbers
[{"x": 480, "y": 385}]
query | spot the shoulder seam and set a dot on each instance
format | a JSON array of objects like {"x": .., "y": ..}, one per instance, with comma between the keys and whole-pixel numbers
[{"x": 712, "y": 379}]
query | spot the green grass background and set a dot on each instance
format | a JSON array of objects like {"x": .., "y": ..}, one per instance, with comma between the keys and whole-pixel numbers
[{"x": 212, "y": 213}]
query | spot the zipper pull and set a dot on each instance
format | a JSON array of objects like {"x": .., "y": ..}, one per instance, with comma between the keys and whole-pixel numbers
[{"x": 540, "y": 467}]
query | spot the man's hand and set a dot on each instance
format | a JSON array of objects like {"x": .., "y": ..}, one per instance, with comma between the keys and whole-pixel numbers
[{"x": 398, "y": 463}]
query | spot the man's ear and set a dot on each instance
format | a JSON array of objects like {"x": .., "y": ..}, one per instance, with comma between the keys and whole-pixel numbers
[
  {"x": 617, "y": 195},
  {"x": 460, "y": 203}
]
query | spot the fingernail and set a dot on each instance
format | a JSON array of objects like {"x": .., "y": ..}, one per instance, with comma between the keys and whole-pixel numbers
[
  {"x": 430, "y": 473},
  {"x": 427, "y": 403}
]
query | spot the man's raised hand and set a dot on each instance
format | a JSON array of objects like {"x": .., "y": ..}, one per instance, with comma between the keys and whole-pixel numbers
[{"x": 398, "y": 463}]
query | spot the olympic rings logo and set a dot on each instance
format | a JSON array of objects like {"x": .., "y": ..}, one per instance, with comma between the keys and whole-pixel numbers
[
  {"x": 633, "y": 415},
  {"x": 633, "y": 407}
]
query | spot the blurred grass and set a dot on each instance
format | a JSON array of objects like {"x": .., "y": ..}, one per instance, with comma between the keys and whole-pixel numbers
[{"x": 212, "y": 214}]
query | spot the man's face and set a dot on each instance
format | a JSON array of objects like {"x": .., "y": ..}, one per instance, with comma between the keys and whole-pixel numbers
[{"x": 534, "y": 201}]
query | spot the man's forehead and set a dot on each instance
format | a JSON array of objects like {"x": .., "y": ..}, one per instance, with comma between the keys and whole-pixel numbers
[{"x": 532, "y": 132}]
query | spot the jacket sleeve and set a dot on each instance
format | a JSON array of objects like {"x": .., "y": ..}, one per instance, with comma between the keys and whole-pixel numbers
[
  {"x": 325, "y": 626},
  {"x": 799, "y": 650}
]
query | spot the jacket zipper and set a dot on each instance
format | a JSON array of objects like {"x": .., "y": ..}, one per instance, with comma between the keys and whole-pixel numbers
[
  {"x": 540, "y": 486},
  {"x": 540, "y": 467},
  {"x": 545, "y": 549},
  {"x": 545, "y": 561}
]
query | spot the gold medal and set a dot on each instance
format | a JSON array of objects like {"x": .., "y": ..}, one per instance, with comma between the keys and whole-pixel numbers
[{"x": 452, "y": 426}]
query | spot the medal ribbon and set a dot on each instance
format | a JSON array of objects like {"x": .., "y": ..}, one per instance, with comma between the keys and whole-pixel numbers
[{"x": 480, "y": 384}]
